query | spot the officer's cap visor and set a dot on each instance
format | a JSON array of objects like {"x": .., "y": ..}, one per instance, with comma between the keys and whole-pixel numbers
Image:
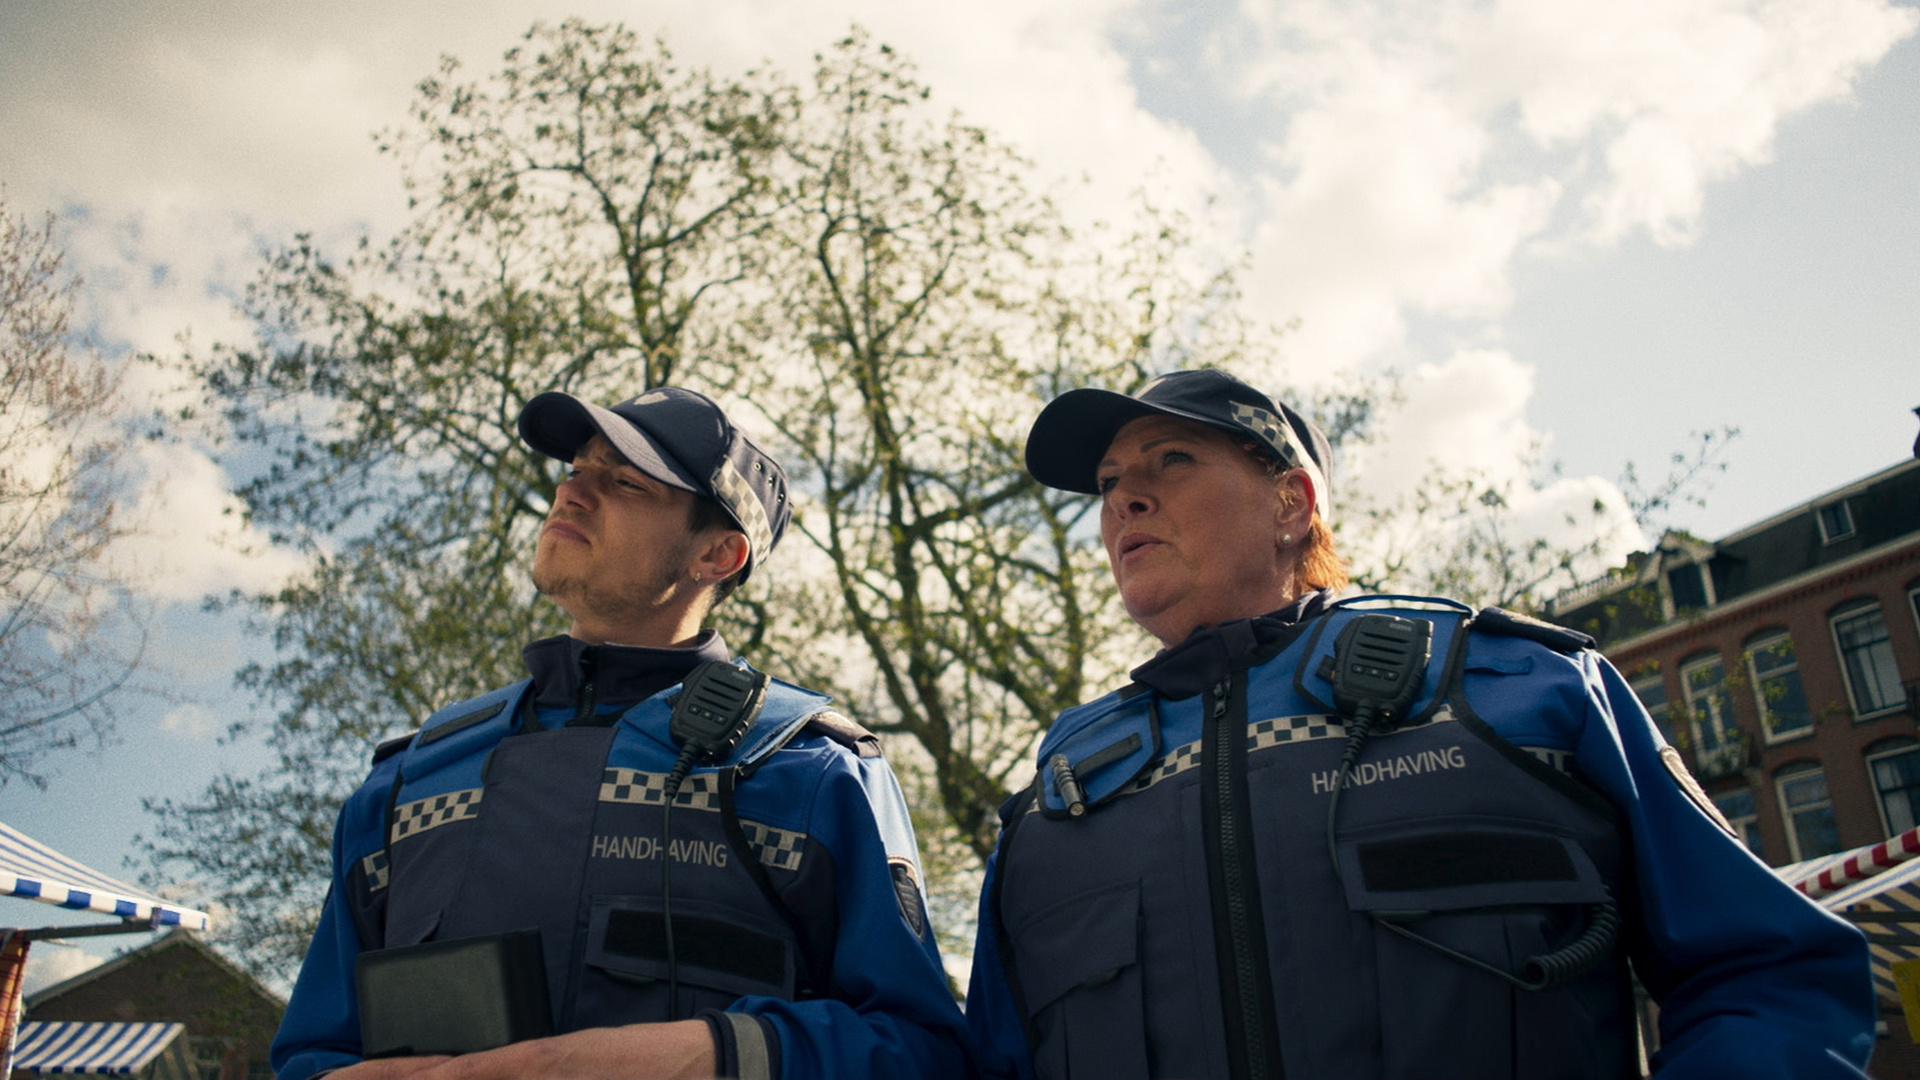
[
  {"x": 1073, "y": 432},
  {"x": 558, "y": 425}
]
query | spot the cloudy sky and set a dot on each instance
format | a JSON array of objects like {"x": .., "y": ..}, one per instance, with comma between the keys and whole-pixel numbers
[{"x": 1601, "y": 226}]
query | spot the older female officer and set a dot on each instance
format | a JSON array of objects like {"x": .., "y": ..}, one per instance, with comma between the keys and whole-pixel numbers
[{"x": 1368, "y": 838}]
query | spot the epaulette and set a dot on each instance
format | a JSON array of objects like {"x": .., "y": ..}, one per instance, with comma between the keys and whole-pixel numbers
[
  {"x": 834, "y": 726},
  {"x": 1493, "y": 620},
  {"x": 393, "y": 746}
]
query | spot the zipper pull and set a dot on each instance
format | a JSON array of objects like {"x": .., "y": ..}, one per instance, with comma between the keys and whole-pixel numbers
[{"x": 1220, "y": 698}]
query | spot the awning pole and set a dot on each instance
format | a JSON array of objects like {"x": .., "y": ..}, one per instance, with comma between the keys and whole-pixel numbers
[{"x": 13, "y": 971}]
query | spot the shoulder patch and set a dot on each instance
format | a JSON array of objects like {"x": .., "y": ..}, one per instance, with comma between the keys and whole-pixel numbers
[
  {"x": 1684, "y": 777},
  {"x": 392, "y": 746},
  {"x": 906, "y": 893},
  {"x": 834, "y": 726},
  {"x": 1493, "y": 620}
]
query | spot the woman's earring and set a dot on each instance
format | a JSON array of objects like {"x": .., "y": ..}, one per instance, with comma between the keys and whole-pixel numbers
[{"x": 1286, "y": 539}]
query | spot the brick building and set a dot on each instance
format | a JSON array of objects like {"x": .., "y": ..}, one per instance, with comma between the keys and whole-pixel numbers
[
  {"x": 229, "y": 1017},
  {"x": 1784, "y": 661}
]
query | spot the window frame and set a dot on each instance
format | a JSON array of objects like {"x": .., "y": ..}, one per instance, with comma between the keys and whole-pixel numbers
[
  {"x": 1853, "y": 609},
  {"x": 1843, "y": 509},
  {"x": 1787, "y": 774},
  {"x": 1750, "y": 653},
  {"x": 1727, "y": 727},
  {"x": 1888, "y": 748}
]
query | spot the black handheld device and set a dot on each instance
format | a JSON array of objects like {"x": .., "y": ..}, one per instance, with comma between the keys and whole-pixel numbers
[
  {"x": 718, "y": 702},
  {"x": 453, "y": 997},
  {"x": 1378, "y": 662}
]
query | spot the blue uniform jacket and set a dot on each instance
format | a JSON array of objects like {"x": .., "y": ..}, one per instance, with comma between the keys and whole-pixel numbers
[
  {"x": 828, "y": 825},
  {"x": 1752, "y": 979}
]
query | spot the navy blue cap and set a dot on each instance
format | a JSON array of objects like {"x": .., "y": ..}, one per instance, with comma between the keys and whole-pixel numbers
[
  {"x": 1073, "y": 432},
  {"x": 681, "y": 439}
]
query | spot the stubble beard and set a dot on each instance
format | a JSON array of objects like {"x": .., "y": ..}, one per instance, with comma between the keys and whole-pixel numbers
[{"x": 633, "y": 598}]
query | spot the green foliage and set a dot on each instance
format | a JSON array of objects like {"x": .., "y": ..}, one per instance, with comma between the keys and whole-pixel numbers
[
  {"x": 69, "y": 637},
  {"x": 876, "y": 293}
]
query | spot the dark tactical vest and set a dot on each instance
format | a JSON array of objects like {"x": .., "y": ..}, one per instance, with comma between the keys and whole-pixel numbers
[
  {"x": 1190, "y": 922},
  {"x": 561, "y": 831}
]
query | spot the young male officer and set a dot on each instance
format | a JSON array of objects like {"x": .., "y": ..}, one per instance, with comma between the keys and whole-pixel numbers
[{"x": 765, "y": 922}]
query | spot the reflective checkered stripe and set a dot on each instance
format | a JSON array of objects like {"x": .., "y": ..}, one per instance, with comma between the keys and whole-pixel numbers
[
  {"x": 701, "y": 792},
  {"x": 1278, "y": 434},
  {"x": 375, "y": 867},
  {"x": 778, "y": 848},
  {"x": 1261, "y": 735},
  {"x": 737, "y": 494},
  {"x": 414, "y": 818}
]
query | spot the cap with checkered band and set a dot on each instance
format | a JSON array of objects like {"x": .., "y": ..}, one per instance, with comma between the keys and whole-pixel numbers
[
  {"x": 681, "y": 439},
  {"x": 1073, "y": 432}
]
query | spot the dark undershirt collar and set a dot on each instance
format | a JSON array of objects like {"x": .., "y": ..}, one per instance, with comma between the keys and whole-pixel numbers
[
  {"x": 1183, "y": 670},
  {"x": 621, "y": 675}
]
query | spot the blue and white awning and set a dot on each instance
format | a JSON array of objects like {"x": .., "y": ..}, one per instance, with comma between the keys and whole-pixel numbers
[
  {"x": 72, "y": 1046},
  {"x": 30, "y": 869}
]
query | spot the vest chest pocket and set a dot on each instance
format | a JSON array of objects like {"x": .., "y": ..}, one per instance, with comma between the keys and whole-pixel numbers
[
  {"x": 1078, "y": 965},
  {"x": 1501, "y": 892},
  {"x": 721, "y": 954}
]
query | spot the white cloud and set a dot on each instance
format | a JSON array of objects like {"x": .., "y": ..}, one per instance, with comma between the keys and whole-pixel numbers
[
  {"x": 51, "y": 965},
  {"x": 1468, "y": 415},
  {"x": 194, "y": 723},
  {"x": 194, "y": 539},
  {"x": 1426, "y": 146}
]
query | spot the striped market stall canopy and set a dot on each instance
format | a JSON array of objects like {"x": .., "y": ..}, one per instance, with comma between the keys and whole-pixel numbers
[
  {"x": 1831, "y": 873},
  {"x": 1886, "y": 907},
  {"x": 1877, "y": 888},
  {"x": 71, "y": 1046},
  {"x": 30, "y": 869}
]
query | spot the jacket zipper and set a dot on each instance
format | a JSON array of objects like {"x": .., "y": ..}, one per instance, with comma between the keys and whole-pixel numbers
[
  {"x": 1233, "y": 861},
  {"x": 590, "y": 662}
]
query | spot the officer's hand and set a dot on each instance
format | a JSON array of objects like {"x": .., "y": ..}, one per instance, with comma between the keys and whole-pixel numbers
[
  {"x": 682, "y": 1050},
  {"x": 386, "y": 1068}
]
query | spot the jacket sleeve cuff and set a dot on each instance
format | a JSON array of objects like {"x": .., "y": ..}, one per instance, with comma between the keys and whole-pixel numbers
[{"x": 744, "y": 1047}]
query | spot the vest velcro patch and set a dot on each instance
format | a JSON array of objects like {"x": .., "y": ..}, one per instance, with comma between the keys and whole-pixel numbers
[
  {"x": 700, "y": 942},
  {"x": 460, "y": 723},
  {"x": 1416, "y": 864}
]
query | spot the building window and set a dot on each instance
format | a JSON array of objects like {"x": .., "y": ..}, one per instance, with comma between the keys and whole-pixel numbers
[
  {"x": 1688, "y": 584},
  {"x": 1776, "y": 686},
  {"x": 1836, "y": 522},
  {"x": 1737, "y": 807},
  {"x": 1895, "y": 768},
  {"x": 1708, "y": 711},
  {"x": 1807, "y": 811},
  {"x": 1652, "y": 692},
  {"x": 1866, "y": 656}
]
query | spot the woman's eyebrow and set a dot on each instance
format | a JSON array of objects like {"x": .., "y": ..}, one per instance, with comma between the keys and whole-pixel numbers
[{"x": 1148, "y": 445}]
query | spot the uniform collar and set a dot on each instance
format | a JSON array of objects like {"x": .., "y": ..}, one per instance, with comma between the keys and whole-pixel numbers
[
  {"x": 621, "y": 675},
  {"x": 1183, "y": 670}
]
